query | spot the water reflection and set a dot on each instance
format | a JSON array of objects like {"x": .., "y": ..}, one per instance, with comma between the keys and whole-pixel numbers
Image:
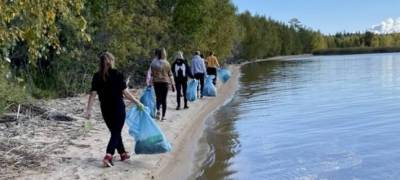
[{"x": 333, "y": 117}]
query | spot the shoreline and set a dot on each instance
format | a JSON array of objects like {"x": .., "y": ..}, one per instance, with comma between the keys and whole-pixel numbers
[
  {"x": 182, "y": 163},
  {"x": 355, "y": 51},
  {"x": 186, "y": 164},
  {"x": 202, "y": 146},
  {"x": 80, "y": 157}
]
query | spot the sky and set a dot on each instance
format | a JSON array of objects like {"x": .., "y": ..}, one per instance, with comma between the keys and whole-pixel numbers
[{"x": 331, "y": 16}]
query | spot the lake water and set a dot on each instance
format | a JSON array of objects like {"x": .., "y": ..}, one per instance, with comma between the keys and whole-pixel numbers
[{"x": 331, "y": 117}]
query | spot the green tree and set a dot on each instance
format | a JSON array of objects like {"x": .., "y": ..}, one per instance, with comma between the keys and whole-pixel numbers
[{"x": 35, "y": 23}]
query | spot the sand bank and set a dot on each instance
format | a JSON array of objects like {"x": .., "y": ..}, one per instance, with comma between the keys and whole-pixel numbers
[{"x": 80, "y": 157}]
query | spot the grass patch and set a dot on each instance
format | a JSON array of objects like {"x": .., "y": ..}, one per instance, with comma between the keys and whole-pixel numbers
[{"x": 11, "y": 92}]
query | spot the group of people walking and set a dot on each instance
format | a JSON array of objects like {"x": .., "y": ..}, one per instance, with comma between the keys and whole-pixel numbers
[
  {"x": 162, "y": 75},
  {"x": 109, "y": 84}
]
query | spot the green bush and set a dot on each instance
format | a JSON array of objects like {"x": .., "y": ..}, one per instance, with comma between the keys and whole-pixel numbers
[
  {"x": 62, "y": 78},
  {"x": 11, "y": 92}
]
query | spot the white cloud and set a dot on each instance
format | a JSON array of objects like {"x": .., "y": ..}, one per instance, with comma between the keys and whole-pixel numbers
[{"x": 388, "y": 26}]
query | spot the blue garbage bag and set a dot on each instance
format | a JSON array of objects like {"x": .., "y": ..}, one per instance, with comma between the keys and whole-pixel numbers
[
  {"x": 209, "y": 88},
  {"x": 191, "y": 92},
  {"x": 148, "y": 136},
  {"x": 148, "y": 99},
  {"x": 224, "y": 74}
]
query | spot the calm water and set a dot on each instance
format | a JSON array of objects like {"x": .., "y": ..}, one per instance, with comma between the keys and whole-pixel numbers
[{"x": 334, "y": 117}]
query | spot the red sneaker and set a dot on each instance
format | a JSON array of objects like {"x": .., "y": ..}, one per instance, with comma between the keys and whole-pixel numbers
[
  {"x": 125, "y": 156},
  {"x": 107, "y": 161}
]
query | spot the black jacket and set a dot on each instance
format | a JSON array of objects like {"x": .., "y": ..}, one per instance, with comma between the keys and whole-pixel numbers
[{"x": 177, "y": 70}]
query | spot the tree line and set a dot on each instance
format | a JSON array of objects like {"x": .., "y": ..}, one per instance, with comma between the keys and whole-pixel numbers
[{"x": 49, "y": 48}]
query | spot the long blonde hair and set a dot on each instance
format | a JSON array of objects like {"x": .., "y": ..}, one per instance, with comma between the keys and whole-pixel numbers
[
  {"x": 179, "y": 55},
  {"x": 106, "y": 59}
]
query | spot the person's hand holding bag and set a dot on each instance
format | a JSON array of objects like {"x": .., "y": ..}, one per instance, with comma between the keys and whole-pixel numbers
[{"x": 140, "y": 106}]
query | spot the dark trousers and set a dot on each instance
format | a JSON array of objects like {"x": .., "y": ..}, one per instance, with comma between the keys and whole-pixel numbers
[
  {"x": 200, "y": 77},
  {"x": 212, "y": 71},
  {"x": 181, "y": 87},
  {"x": 115, "y": 122},
  {"x": 161, "y": 90}
]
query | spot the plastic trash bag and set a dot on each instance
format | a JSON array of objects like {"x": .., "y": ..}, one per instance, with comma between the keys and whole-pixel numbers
[
  {"x": 148, "y": 136},
  {"x": 191, "y": 92},
  {"x": 209, "y": 88},
  {"x": 149, "y": 100},
  {"x": 224, "y": 74}
]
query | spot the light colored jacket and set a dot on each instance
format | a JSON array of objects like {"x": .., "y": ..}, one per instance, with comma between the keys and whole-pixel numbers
[
  {"x": 160, "y": 71},
  {"x": 198, "y": 65}
]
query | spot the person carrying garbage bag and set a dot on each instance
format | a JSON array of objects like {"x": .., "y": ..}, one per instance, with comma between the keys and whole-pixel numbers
[
  {"x": 199, "y": 71},
  {"x": 212, "y": 66},
  {"x": 109, "y": 85},
  {"x": 149, "y": 139},
  {"x": 181, "y": 71},
  {"x": 161, "y": 77}
]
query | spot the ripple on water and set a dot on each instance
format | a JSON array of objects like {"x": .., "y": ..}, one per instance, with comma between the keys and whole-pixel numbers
[{"x": 333, "y": 117}]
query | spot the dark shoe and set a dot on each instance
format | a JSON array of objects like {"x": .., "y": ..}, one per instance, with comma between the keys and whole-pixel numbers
[
  {"x": 186, "y": 107},
  {"x": 163, "y": 119},
  {"x": 125, "y": 156},
  {"x": 107, "y": 161},
  {"x": 177, "y": 108}
]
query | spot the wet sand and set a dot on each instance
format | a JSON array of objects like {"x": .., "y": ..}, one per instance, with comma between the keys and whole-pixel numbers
[{"x": 37, "y": 147}]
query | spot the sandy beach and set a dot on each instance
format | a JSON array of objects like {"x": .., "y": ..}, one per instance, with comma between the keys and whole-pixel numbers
[
  {"x": 291, "y": 75},
  {"x": 67, "y": 151}
]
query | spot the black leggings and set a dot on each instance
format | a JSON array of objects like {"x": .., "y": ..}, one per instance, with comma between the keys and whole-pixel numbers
[
  {"x": 181, "y": 87},
  {"x": 161, "y": 90},
  {"x": 115, "y": 122},
  {"x": 212, "y": 71},
  {"x": 200, "y": 77}
]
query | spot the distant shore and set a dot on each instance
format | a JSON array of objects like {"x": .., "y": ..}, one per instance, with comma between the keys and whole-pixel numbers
[{"x": 363, "y": 50}]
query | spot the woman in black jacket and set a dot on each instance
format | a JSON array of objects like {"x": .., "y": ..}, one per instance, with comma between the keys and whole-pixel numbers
[
  {"x": 181, "y": 72},
  {"x": 110, "y": 85}
]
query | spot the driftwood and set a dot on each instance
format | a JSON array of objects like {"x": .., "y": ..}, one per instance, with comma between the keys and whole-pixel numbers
[
  {"x": 8, "y": 118},
  {"x": 57, "y": 116},
  {"x": 30, "y": 109}
]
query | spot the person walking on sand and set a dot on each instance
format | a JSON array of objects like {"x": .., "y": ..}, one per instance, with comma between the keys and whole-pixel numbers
[
  {"x": 109, "y": 84},
  {"x": 212, "y": 65},
  {"x": 161, "y": 78},
  {"x": 181, "y": 71},
  {"x": 199, "y": 70}
]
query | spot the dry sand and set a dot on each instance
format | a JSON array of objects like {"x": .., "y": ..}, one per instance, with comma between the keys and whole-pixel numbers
[{"x": 66, "y": 151}]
